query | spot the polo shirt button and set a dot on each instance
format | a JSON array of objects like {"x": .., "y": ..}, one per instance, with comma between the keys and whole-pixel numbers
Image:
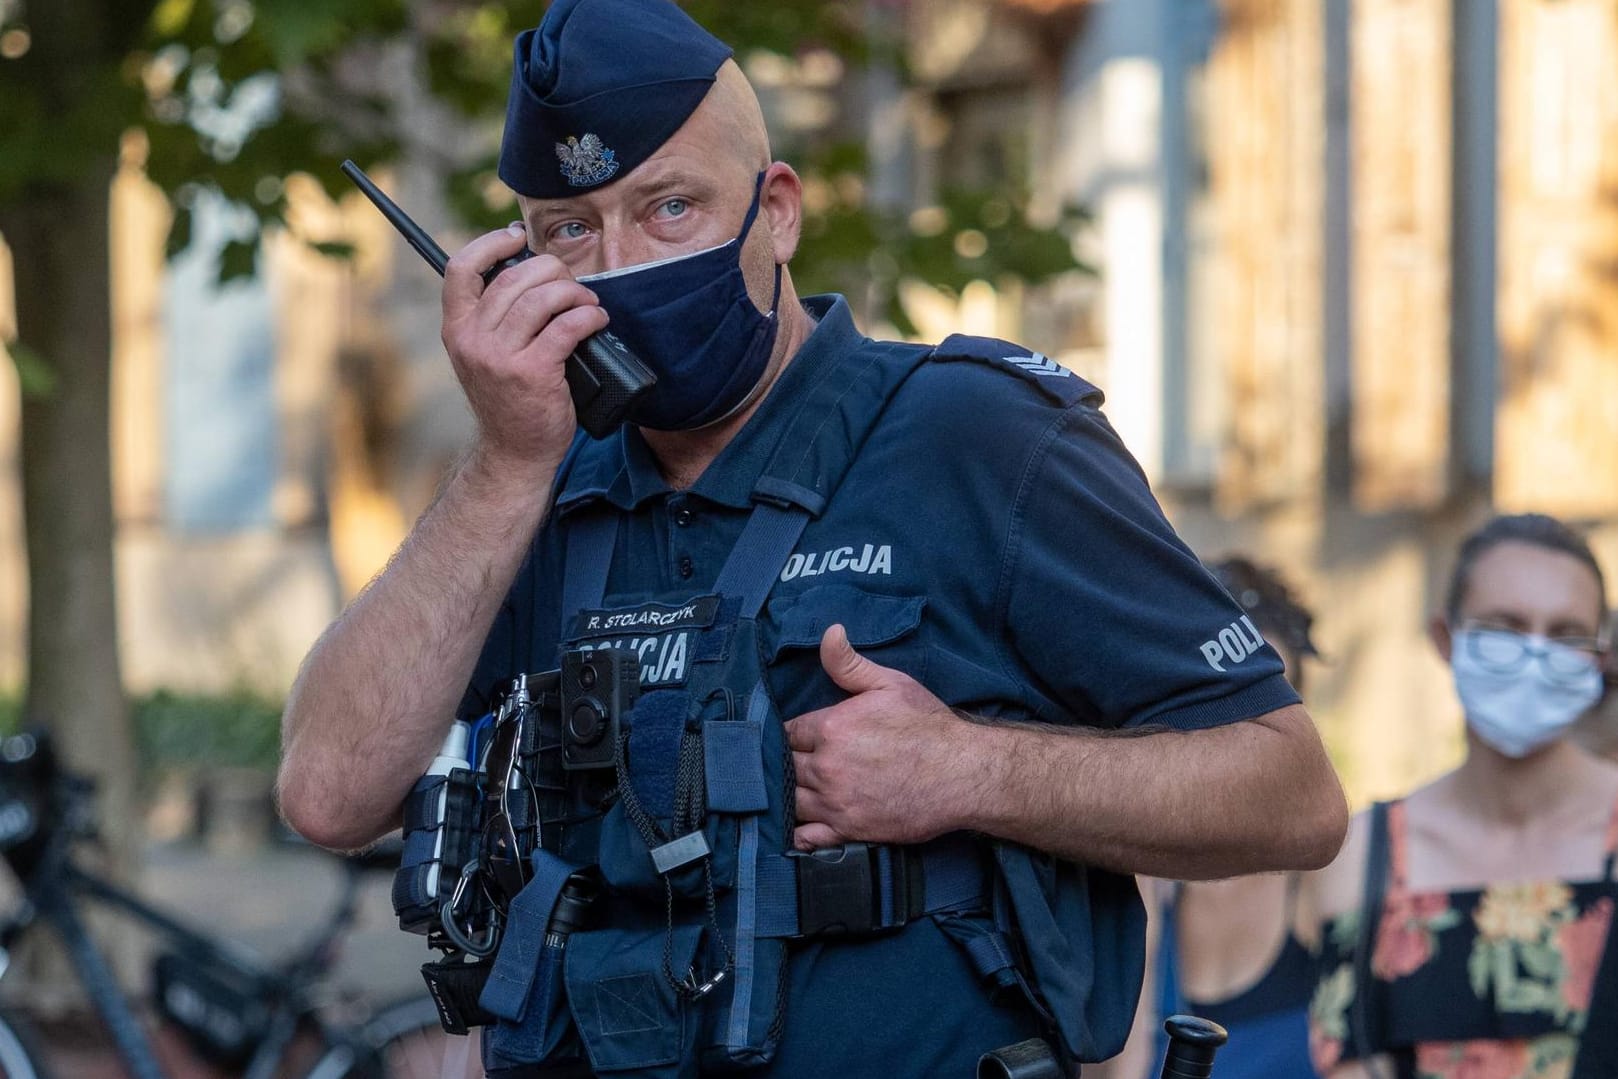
[
  {"x": 686, "y": 568},
  {"x": 683, "y": 518}
]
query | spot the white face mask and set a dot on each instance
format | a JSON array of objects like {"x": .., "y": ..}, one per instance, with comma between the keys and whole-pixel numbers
[{"x": 1519, "y": 711}]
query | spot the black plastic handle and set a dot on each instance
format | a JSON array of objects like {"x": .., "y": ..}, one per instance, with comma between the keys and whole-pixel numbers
[
  {"x": 1031, "y": 1059},
  {"x": 1192, "y": 1044}
]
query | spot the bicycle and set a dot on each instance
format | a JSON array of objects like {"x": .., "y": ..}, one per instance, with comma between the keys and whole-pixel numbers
[{"x": 232, "y": 1009}]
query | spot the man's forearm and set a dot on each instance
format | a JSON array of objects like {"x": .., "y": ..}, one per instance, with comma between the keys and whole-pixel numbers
[
  {"x": 1244, "y": 798},
  {"x": 374, "y": 697}
]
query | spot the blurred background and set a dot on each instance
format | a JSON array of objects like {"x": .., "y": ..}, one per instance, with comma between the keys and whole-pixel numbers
[{"x": 1347, "y": 271}]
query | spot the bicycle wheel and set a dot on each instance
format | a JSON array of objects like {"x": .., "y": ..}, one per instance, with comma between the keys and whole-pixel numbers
[
  {"x": 404, "y": 1041},
  {"x": 19, "y": 1059}
]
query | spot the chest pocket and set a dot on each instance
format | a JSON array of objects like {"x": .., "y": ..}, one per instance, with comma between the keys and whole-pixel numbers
[{"x": 883, "y": 628}]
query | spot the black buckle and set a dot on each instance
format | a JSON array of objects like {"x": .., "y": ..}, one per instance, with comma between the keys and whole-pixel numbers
[{"x": 839, "y": 891}]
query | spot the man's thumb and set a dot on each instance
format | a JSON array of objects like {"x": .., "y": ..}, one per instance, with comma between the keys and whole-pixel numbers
[{"x": 848, "y": 668}]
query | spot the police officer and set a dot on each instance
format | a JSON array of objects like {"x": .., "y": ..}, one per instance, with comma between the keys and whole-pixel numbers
[{"x": 895, "y": 605}]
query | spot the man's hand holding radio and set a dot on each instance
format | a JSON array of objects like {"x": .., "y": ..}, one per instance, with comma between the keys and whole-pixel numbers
[{"x": 509, "y": 342}]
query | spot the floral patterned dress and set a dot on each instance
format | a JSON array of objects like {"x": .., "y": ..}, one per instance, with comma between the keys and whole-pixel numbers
[{"x": 1490, "y": 983}]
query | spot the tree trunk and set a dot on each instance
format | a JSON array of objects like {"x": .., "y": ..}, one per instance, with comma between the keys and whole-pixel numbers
[
  {"x": 57, "y": 226},
  {"x": 59, "y": 247},
  {"x": 58, "y": 241}
]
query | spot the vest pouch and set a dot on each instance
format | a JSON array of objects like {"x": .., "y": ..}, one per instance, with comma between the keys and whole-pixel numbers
[
  {"x": 668, "y": 768},
  {"x": 440, "y": 831},
  {"x": 735, "y": 1026},
  {"x": 1075, "y": 925},
  {"x": 993, "y": 957},
  {"x": 627, "y": 1013},
  {"x": 525, "y": 990}
]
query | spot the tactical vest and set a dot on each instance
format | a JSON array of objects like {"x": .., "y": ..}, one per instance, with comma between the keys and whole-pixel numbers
[{"x": 681, "y": 967}]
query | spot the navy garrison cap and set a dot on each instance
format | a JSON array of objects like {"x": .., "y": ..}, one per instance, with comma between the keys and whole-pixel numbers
[{"x": 597, "y": 88}]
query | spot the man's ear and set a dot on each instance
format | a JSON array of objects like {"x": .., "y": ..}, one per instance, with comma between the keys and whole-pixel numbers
[
  {"x": 1443, "y": 640},
  {"x": 781, "y": 202}
]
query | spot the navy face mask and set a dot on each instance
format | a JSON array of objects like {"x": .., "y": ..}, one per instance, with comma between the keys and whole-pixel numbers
[{"x": 691, "y": 320}]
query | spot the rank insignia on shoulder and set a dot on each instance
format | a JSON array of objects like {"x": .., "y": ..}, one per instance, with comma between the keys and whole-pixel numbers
[
  {"x": 1039, "y": 364},
  {"x": 1055, "y": 381}
]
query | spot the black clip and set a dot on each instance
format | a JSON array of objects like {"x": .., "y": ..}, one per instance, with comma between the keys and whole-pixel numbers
[
  {"x": 462, "y": 939},
  {"x": 837, "y": 891}
]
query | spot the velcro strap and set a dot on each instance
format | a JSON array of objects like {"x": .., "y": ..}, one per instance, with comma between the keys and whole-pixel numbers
[
  {"x": 410, "y": 891},
  {"x": 421, "y": 804},
  {"x": 990, "y": 955},
  {"x": 733, "y": 765},
  {"x": 420, "y": 847},
  {"x": 886, "y": 888}
]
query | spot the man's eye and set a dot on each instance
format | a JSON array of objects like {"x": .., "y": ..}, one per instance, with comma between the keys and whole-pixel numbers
[
  {"x": 570, "y": 230},
  {"x": 674, "y": 207}
]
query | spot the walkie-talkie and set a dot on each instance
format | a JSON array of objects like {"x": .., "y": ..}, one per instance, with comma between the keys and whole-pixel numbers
[{"x": 603, "y": 376}]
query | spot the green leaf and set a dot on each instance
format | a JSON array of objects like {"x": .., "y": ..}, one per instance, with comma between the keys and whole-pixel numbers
[
  {"x": 171, "y": 16},
  {"x": 1549, "y": 1050},
  {"x": 1328, "y": 1008},
  {"x": 36, "y": 376},
  {"x": 240, "y": 728},
  {"x": 295, "y": 30},
  {"x": 336, "y": 249},
  {"x": 1541, "y": 960},
  {"x": 1344, "y": 930},
  {"x": 1440, "y": 922}
]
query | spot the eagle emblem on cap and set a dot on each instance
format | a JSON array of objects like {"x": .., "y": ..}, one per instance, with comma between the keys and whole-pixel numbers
[{"x": 586, "y": 162}]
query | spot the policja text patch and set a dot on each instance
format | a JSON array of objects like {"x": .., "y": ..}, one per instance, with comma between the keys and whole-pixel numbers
[{"x": 660, "y": 635}]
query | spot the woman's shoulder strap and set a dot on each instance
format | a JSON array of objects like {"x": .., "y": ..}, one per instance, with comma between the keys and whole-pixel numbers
[{"x": 1377, "y": 858}]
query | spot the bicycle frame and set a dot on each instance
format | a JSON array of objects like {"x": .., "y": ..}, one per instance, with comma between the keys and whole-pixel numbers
[{"x": 54, "y": 893}]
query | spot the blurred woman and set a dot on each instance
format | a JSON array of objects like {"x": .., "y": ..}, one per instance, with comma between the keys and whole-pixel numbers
[
  {"x": 1463, "y": 924},
  {"x": 1234, "y": 951}
]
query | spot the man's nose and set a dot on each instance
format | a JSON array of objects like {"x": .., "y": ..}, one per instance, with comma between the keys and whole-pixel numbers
[{"x": 622, "y": 248}]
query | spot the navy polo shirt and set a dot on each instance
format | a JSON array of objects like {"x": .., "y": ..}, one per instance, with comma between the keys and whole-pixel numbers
[{"x": 976, "y": 522}]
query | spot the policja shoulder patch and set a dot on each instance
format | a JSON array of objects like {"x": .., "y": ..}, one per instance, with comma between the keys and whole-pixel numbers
[{"x": 1056, "y": 382}]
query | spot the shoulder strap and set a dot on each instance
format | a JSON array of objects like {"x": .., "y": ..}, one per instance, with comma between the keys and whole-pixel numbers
[
  {"x": 763, "y": 548},
  {"x": 766, "y": 541},
  {"x": 1397, "y": 841},
  {"x": 1055, "y": 381},
  {"x": 589, "y": 559},
  {"x": 1376, "y": 890},
  {"x": 1170, "y": 1000},
  {"x": 1611, "y": 846}
]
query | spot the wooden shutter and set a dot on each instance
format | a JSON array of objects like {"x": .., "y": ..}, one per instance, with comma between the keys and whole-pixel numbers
[
  {"x": 1556, "y": 428},
  {"x": 1264, "y": 138},
  {"x": 1400, "y": 76}
]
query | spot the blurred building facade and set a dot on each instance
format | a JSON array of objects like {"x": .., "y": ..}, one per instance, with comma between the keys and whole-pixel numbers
[{"x": 1357, "y": 290}]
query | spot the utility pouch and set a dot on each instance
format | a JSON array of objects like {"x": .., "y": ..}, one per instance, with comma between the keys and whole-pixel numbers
[
  {"x": 680, "y": 850},
  {"x": 524, "y": 991},
  {"x": 660, "y": 833},
  {"x": 1075, "y": 924},
  {"x": 455, "y": 986},
  {"x": 623, "y": 989},
  {"x": 439, "y": 807}
]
